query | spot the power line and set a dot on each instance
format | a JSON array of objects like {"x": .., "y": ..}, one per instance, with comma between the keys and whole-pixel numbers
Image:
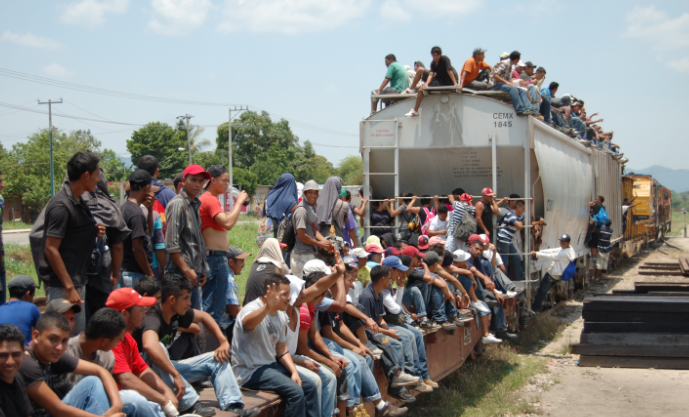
[{"x": 113, "y": 93}]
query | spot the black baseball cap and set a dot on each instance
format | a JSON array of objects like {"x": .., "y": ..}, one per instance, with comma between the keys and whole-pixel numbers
[
  {"x": 61, "y": 305},
  {"x": 216, "y": 170},
  {"x": 23, "y": 282},
  {"x": 530, "y": 64},
  {"x": 565, "y": 238},
  {"x": 139, "y": 179}
]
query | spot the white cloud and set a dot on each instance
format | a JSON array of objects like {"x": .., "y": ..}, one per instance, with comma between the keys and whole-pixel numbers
[
  {"x": 57, "y": 70},
  {"x": 401, "y": 10},
  {"x": 91, "y": 13},
  {"x": 178, "y": 17},
  {"x": 289, "y": 16},
  {"x": 30, "y": 40},
  {"x": 655, "y": 26},
  {"x": 680, "y": 65}
]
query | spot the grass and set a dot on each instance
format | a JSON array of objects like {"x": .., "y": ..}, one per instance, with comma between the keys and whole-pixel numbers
[
  {"x": 677, "y": 223},
  {"x": 10, "y": 225},
  {"x": 489, "y": 386},
  {"x": 18, "y": 261}
]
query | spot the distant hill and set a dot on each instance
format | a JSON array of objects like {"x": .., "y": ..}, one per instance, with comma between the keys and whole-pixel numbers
[{"x": 674, "y": 179}]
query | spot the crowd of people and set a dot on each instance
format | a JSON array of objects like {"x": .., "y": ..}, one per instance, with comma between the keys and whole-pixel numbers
[
  {"x": 132, "y": 290},
  {"x": 523, "y": 81}
]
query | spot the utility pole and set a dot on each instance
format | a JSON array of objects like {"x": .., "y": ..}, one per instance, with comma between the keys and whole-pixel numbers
[
  {"x": 50, "y": 134},
  {"x": 229, "y": 148},
  {"x": 187, "y": 117}
]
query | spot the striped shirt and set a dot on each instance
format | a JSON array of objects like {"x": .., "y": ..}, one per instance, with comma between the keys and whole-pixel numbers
[
  {"x": 604, "y": 239},
  {"x": 458, "y": 210},
  {"x": 507, "y": 232},
  {"x": 184, "y": 233}
]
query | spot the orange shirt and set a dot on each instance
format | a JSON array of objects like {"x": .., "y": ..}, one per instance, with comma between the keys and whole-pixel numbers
[{"x": 473, "y": 68}]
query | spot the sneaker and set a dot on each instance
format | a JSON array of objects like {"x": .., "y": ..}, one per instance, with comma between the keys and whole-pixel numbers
[
  {"x": 431, "y": 383},
  {"x": 402, "y": 395},
  {"x": 448, "y": 326},
  {"x": 457, "y": 322},
  {"x": 424, "y": 323},
  {"x": 251, "y": 412},
  {"x": 391, "y": 411},
  {"x": 507, "y": 336},
  {"x": 412, "y": 113},
  {"x": 490, "y": 339},
  {"x": 361, "y": 411},
  {"x": 200, "y": 410},
  {"x": 421, "y": 387},
  {"x": 510, "y": 294},
  {"x": 404, "y": 379},
  {"x": 409, "y": 91},
  {"x": 480, "y": 307}
]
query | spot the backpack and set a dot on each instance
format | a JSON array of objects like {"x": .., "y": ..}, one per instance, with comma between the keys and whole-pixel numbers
[
  {"x": 569, "y": 272},
  {"x": 466, "y": 227},
  {"x": 425, "y": 227},
  {"x": 415, "y": 225},
  {"x": 286, "y": 233},
  {"x": 265, "y": 231},
  {"x": 602, "y": 217},
  {"x": 95, "y": 262}
]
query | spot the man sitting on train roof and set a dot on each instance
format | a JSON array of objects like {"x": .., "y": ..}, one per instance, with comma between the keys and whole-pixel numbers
[
  {"x": 441, "y": 74},
  {"x": 396, "y": 76},
  {"x": 476, "y": 71},
  {"x": 501, "y": 80},
  {"x": 531, "y": 88},
  {"x": 419, "y": 79}
]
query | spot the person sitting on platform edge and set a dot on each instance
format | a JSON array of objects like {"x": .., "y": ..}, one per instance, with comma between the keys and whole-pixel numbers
[
  {"x": 260, "y": 355},
  {"x": 561, "y": 258},
  {"x": 476, "y": 71},
  {"x": 501, "y": 80},
  {"x": 441, "y": 74},
  {"x": 397, "y": 77}
]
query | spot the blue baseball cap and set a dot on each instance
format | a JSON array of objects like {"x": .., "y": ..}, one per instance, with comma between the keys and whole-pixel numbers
[
  {"x": 351, "y": 261},
  {"x": 394, "y": 262}
]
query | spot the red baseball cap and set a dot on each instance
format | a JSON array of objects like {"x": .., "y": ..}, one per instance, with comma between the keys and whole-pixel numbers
[
  {"x": 373, "y": 248},
  {"x": 484, "y": 239},
  {"x": 487, "y": 191},
  {"x": 465, "y": 197},
  {"x": 124, "y": 298},
  {"x": 423, "y": 242},
  {"x": 473, "y": 238},
  {"x": 412, "y": 251},
  {"x": 196, "y": 170}
]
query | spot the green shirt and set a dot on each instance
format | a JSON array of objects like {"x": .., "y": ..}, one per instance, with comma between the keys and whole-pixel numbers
[{"x": 397, "y": 74}]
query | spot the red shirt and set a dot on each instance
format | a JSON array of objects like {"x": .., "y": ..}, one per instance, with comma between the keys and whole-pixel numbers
[
  {"x": 307, "y": 313},
  {"x": 127, "y": 357},
  {"x": 210, "y": 207}
]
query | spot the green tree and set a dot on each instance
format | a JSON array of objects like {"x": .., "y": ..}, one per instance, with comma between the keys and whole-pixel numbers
[
  {"x": 162, "y": 141},
  {"x": 246, "y": 179},
  {"x": 351, "y": 170},
  {"x": 26, "y": 167}
]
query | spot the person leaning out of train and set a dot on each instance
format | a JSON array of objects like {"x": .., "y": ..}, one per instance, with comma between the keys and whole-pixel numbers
[{"x": 561, "y": 258}]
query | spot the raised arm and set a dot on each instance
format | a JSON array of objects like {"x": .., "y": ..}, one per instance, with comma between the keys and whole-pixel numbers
[{"x": 229, "y": 220}]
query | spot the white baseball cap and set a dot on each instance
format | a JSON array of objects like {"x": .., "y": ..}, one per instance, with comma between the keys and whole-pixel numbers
[
  {"x": 316, "y": 265},
  {"x": 359, "y": 253},
  {"x": 460, "y": 256}
]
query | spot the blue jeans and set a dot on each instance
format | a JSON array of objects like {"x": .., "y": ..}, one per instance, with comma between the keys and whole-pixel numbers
[
  {"x": 450, "y": 308},
  {"x": 196, "y": 369},
  {"x": 434, "y": 300},
  {"x": 326, "y": 382},
  {"x": 88, "y": 395},
  {"x": 546, "y": 283},
  {"x": 136, "y": 405},
  {"x": 407, "y": 354},
  {"x": 412, "y": 297},
  {"x": 299, "y": 401},
  {"x": 130, "y": 279},
  {"x": 419, "y": 350},
  {"x": 215, "y": 291},
  {"x": 520, "y": 100},
  {"x": 361, "y": 383},
  {"x": 510, "y": 256},
  {"x": 545, "y": 109}
]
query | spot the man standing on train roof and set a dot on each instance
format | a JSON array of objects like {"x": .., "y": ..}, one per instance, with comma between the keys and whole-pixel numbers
[
  {"x": 441, "y": 74},
  {"x": 397, "y": 77},
  {"x": 561, "y": 258}
]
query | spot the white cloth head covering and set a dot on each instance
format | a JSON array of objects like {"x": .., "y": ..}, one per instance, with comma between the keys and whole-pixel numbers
[
  {"x": 296, "y": 286},
  {"x": 271, "y": 253}
]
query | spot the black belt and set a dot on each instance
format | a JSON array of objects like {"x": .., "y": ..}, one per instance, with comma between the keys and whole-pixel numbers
[{"x": 218, "y": 253}]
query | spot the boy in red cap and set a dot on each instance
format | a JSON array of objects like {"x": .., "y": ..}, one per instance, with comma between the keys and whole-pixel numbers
[
  {"x": 130, "y": 371},
  {"x": 184, "y": 244}
]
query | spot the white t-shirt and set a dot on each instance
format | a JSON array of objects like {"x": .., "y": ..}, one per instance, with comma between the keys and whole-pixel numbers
[
  {"x": 624, "y": 209},
  {"x": 393, "y": 300},
  {"x": 437, "y": 225},
  {"x": 292, "y": 337},
  {"x": 488, "y": 255},
  {"x": 252, "y": 349}
]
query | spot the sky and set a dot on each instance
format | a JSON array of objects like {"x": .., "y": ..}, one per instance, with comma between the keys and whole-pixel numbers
[{"x": 314, "y": 62}]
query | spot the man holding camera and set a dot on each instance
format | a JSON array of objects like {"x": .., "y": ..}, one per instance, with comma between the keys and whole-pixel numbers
[{"x": 215, "y": 223}]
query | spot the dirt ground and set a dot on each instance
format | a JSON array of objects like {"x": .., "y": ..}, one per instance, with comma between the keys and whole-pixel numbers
[{"x": 569, "y": 390}]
